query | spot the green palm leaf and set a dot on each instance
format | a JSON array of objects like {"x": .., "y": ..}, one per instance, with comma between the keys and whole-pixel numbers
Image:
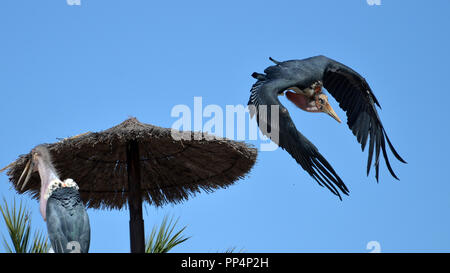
[
  {"x": 234, "y": 250},
  {"x": 18, "y": 223},
  {"x": 165, "y": 239}
]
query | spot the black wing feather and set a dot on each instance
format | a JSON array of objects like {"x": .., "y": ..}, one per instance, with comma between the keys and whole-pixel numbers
[
  {"x": 357, "y": 99},
  {"x": 353, "y": 95},
  {"x": 265, "y": 92}
]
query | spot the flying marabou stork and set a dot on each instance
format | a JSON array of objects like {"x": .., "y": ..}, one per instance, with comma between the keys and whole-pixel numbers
[
  {"x": 303, "y": 81},
  {"x": 60, "y": 205}
]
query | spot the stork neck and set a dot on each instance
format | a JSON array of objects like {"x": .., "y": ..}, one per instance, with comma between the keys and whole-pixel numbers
[
  {"x": 48, "y": 174},
  {"x": 303, "y": 102},
  {"x": 46, "y": 171},
  {"x": 307, "y": 92}
]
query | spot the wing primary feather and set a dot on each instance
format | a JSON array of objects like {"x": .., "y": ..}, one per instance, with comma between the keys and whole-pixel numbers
[
  {"x": 334, "y": 178},
  {"x": 356, "y": 98},
  {"x": 354, "y": 113},
  {"x": 371, "y": 146},
  {"x": 386, "y": 159},
  {"x": 326, "y": 167},
  {"x": 315, "y": 176},
  {"x": 353, "y": 100},
  {"x": 327, "y": 183},
  {"x": 393, "y": 149},
  {"x": 364, "y": 130},
  {"x": 377, "y": 153},
  {"x": 358, "y": 125}
]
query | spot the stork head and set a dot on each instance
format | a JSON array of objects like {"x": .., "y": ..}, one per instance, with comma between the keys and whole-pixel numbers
[
  {"x": 41, "y": 155},
  {"x": 322, "y": 104},
  {"x": 317, "y": 103},
  {"x": 41, "y": 162}
]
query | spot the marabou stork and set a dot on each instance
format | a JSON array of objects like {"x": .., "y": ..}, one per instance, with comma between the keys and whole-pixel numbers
[
  {"x": 303, "y": 81},
  {"x": 60, "y": 205}
]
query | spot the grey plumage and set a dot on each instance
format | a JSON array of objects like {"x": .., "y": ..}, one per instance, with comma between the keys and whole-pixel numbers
[{"x": 67, "y": 221}]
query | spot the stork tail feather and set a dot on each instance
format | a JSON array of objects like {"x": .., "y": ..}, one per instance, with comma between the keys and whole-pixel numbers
[{"x": 274, "y": 61}]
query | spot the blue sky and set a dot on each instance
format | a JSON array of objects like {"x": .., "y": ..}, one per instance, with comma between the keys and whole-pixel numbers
[{"x": 71, "y": 69}]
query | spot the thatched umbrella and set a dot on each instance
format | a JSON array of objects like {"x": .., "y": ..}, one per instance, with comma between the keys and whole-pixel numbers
[{"x": 135, "y": 162}]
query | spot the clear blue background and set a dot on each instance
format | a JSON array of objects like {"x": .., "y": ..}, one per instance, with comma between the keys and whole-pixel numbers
[{"x": 66, "y": 69}]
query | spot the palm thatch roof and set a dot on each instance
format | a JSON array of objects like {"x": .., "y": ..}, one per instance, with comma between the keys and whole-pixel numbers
[{"x": 171, "y": 170}]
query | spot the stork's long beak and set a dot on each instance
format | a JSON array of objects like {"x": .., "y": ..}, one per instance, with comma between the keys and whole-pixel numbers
[
  {"x": 27, "y": 171},
  {"x": 330, "y": 111}
]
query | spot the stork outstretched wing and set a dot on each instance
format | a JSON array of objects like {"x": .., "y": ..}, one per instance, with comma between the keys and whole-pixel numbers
[
  {"x": 283, "y": 132},
  {"x": 356, "y": 98}
]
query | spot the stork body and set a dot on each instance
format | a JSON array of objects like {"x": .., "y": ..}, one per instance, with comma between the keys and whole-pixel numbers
[
  {"x": 67, "y": 221},
  {"x": 60, "y": 205},
  {"x": 306, "y": 78}
]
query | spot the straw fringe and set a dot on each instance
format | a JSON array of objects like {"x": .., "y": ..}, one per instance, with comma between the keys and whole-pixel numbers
[{"x": 172, "y": 171}]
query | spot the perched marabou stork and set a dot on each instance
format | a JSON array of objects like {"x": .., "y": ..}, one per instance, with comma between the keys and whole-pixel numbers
[
  {"x": 303, "y": 81},
  {"x": 60, "y": 205}
]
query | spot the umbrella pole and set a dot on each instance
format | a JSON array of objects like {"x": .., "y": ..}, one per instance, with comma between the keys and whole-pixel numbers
[{"x": 137, "y": 241}]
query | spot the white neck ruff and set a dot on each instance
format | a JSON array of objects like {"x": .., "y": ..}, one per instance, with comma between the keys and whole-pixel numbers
[{"x": 56, "y": 184}]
